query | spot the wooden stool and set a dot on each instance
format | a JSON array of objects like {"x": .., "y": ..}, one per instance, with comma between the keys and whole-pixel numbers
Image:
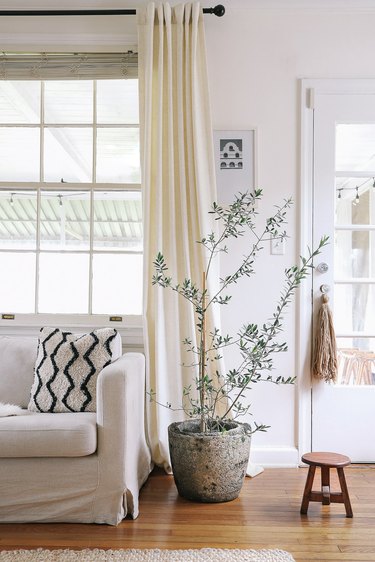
[{"x": 326, "y": 461}]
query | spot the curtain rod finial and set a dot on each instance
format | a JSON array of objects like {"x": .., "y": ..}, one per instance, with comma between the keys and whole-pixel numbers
[{"x": 218, "y": 10}]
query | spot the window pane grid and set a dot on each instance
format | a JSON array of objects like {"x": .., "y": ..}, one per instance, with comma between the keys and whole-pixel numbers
[
  {"x": 67, "y": 224},
  {"x": 354, "y": 283}
]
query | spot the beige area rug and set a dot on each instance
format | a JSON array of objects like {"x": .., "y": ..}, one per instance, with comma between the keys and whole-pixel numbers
[{"x": 151, "y": 555}]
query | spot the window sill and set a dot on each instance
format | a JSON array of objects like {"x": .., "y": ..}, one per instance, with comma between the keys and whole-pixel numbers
[{"x": 130, "y": 328}]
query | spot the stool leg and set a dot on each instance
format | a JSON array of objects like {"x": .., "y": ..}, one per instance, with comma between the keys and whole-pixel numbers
[
  {"x": 325, "y": 486},
  {"x": 345, "y": 493},
  {"x": 307, "y": 490}
]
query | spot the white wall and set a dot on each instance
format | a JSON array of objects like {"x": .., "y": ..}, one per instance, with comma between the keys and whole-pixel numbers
[{"x": 256, "y": 58}]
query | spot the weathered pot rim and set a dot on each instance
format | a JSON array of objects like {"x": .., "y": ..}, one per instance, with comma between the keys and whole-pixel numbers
[{"x": 189, "y": 427}]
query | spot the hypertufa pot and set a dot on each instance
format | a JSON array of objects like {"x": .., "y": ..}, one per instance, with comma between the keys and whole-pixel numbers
[{"x": 209, "y": 467}]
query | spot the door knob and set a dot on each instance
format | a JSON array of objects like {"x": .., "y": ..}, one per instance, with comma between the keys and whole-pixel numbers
[
  {"x": 322, "y": 267},
  {"x": 325, "y": 289}
]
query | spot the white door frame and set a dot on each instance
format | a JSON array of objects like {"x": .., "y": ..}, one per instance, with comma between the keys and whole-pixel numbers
[{"x": 308, "y": 89}]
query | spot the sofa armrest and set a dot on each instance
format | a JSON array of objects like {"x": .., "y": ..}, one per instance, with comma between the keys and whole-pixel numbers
[{"x": 124, "y": 456}]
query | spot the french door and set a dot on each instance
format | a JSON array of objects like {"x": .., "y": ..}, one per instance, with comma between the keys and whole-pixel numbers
[{"x": 343, "y": 203}]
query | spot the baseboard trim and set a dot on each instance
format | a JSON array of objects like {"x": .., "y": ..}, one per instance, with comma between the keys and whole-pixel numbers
[{"x": 275, "y": 457}]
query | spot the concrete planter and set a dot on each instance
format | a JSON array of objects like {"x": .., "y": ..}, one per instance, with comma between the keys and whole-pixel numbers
[{"x": 208, "y": 467}]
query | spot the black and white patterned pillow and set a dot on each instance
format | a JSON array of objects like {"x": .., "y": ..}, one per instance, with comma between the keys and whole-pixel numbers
[{"x": 67, "y": 367}]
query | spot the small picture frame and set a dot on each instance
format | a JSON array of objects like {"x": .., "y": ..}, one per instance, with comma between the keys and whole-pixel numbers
[{"x": 235, "y": 163}]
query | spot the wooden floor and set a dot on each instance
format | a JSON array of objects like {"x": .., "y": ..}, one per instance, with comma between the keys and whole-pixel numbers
[{"x": 266, "y": 515}]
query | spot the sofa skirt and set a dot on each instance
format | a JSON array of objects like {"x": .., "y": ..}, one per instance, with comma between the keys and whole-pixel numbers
[{"x": 63, "y": 490}]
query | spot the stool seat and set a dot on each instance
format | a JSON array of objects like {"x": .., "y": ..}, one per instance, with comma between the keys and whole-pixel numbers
[
  {"x": 325, "y": 461},
  {"x": 331, "y": 460}
]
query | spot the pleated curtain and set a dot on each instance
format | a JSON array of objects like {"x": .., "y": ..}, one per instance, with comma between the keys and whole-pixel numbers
[{"x": 178, "y": 186}]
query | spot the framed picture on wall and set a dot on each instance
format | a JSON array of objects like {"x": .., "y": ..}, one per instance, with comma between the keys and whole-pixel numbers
[{"x": 235, "y": 163}]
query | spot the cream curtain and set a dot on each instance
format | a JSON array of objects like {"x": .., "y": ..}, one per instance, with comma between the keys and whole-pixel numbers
[{"x": 178, "y": 183}]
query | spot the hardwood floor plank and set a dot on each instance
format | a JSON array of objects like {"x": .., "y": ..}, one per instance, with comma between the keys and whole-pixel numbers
[{"x": 266, "y": 515}]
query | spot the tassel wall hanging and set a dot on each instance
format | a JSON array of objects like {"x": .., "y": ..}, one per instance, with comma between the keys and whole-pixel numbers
[{"x": 325, "y": 350}]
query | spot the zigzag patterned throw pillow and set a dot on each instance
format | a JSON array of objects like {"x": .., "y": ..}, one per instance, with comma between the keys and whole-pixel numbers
[{"x": 67, "y": 367}]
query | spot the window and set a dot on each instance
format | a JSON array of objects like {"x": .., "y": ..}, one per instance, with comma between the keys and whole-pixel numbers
[{"x": 70, "y": 201}]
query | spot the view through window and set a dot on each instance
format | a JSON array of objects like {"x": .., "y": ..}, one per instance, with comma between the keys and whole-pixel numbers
[
  {"x": 354, "y": 287},
  {"x": 70, "y": 201}
]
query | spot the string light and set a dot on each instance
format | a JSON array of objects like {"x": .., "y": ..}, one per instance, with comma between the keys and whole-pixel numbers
[
  {"x": 11, "y": 199},
  {"x": 356, "y": 188}
]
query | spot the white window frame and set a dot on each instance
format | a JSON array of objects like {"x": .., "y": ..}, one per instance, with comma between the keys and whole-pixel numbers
[{"x": 130, "y": 326}]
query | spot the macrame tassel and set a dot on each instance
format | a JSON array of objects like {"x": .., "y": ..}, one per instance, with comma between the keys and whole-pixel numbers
[{"x": 325, "y": 350}]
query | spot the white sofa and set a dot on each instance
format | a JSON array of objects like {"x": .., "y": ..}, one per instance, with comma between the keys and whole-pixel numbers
[{"x": 72, "y": 467}]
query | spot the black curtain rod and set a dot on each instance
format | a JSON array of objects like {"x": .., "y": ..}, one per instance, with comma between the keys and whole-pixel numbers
[{"x": 218, "y": 10}]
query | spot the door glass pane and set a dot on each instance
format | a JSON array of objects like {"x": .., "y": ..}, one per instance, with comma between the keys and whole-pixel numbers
[
  {"x": 354, "y": 254},
  {"x": 17, "y": 282},
  {"x": 117, "y": 158},
  {"x": 68, "y": 154},
  {"x": 69, "y": 101},
  {"x": 117, "y": 221},
  {"x": 117, "y": 287},
  {"x": 356, "y": 361},
  {"x": 19, "y": 101},
  {"x": 354, "y": 306},
  {"x": 117, "y": 101},
  {"x": 355, "y": 207},
  {"x": 355, "y": 147},
  {"x": 65, "y": 220},
  {"x": 18, "y": 220},
  {"x": 63, "y": 283},
  {"x": 19, "y": 154}
]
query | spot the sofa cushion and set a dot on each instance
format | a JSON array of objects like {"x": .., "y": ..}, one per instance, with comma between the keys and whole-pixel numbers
[
  {"x": 48, "y": 435},
  {"x": 67, "y": 367},
  {"x": 17, "y": 362}
]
